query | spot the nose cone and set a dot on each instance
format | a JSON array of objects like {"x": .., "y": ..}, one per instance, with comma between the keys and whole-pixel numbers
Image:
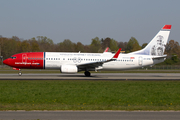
[{"x": 6, "y": 61}]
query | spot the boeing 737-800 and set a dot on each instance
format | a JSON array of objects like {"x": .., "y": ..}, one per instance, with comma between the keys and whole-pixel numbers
[{"x": 67, "y": 62}]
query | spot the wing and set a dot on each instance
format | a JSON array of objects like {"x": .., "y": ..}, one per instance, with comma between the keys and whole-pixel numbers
[{"x": 93, "y": 65}]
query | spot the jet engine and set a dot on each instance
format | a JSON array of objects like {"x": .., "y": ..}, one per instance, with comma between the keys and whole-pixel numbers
[{"x": 69, "y": 69}]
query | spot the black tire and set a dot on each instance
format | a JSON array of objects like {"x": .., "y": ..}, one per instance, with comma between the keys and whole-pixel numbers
[
  {"x": 19, "y": 73},
  {"x": 87, "y": 73}
]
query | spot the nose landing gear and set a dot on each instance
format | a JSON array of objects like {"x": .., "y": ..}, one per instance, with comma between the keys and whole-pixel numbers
[{"x": 19, "y": 71}]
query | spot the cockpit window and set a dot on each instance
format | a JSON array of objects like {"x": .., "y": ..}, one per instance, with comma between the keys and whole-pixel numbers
[{"x": 13, "y": 57}]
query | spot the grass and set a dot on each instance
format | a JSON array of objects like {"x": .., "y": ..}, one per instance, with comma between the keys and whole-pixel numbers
[{"x": 89, "y": 95}]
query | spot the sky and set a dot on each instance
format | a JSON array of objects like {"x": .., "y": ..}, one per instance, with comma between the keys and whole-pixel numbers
[{"x": 83, "y": 20}]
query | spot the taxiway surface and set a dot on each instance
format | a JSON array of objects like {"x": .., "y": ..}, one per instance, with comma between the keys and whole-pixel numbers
[
  {"x": 90, "y": 115},
  {"x": 94, "y": 76}
]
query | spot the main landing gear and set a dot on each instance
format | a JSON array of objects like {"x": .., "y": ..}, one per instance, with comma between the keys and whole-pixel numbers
[{"x": 87, "y": 73}]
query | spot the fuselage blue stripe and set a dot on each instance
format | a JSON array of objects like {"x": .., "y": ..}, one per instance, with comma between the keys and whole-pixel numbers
[{"x": 44, "y": 60}]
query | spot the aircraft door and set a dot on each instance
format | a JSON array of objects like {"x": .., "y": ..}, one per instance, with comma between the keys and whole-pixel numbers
[
  {"x": 24, "y": 58},
  {"x": 140, "y": 60}
]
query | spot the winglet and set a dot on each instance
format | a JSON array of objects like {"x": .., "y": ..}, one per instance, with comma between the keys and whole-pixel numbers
[
  {"x": 167, "y": 27},
  {"x": 106, "y": 50},
  {"x": 117, "y": 53}
]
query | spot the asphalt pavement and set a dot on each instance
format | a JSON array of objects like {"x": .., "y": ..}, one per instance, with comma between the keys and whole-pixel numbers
[
  {"x": 94, "y": 76},
  {"x": 89, "y": 115}
]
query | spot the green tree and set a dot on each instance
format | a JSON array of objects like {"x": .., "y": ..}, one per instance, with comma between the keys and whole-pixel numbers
[
  {"x": 80, "y": 47},
  {"x": 144, "y": 45},
  {"x": 34, "y": 45},
  {"x": 113, "y": 45},
  {"x": 174, "y": 58},
  {"x": 95, "y": 45},
  {"x": 172, "y": 47},
  {"x": 25, "y": 46},
  {"x": 122, "y": 45},
  {"x": 9, "y": 47},
  {"x": 132, "y": 45},
  {"x": 45, "y": 44},
  {"x": 105, "y": 43},
  {"x": 66, "y": 46}
]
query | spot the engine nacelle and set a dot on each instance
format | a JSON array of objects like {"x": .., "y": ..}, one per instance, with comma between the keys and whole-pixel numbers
[{"x": 69, "y": 69}]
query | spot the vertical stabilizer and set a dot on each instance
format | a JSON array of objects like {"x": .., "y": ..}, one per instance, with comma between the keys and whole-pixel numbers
[
  {"x": 106, "y": 50},
  {"x": 156, "y": 47}
]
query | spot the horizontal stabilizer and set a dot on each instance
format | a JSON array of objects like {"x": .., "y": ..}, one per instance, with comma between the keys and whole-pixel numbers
[{"x": 159, "y": 57}]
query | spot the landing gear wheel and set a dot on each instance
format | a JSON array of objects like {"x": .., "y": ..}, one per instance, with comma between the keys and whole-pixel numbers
[
  {"x": 19, "y": 73},
  {"x": 87, "y": 73}
]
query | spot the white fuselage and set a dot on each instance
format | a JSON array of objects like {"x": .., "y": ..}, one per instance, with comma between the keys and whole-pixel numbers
[{"x": 54, "y": 60}]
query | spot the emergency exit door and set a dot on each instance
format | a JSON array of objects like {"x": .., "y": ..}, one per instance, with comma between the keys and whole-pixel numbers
[{"x": 140, "y": 60}]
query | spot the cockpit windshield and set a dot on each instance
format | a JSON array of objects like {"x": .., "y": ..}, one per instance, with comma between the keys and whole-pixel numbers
[{"x": 13, "y": 57}]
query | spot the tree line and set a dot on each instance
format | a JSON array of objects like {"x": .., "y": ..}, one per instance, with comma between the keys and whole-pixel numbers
[{"x": 10, "y": 46}]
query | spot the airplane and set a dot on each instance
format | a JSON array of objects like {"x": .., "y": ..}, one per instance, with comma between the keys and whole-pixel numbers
[{"x": 68, "y": 62}]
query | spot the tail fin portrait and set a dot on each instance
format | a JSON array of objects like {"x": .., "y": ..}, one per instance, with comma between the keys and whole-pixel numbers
[{"x": 156, "y": 47}]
